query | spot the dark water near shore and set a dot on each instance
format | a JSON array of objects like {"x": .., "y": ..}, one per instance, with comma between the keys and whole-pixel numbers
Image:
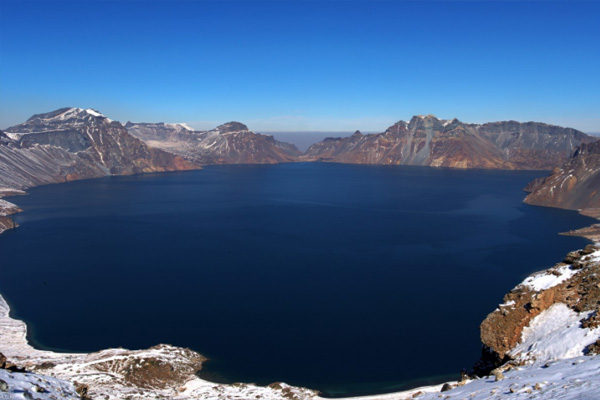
[{"x": 347, "y": 279}]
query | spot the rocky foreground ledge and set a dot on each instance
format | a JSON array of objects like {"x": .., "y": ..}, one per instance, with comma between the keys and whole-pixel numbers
[{"x": 542, "y": 342}]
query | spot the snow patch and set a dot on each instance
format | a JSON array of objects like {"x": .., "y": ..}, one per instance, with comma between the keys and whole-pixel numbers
[
  {"x": 510, "y": 303},
  {"x": 555, "y": 334},
  {"x": 545, "y": 280},
  {"x": 93, "y": 112},
  {"x": 14, "y": 135},
  {"x": 570, "y": 379},
  {"x": 28, "y": 386}
]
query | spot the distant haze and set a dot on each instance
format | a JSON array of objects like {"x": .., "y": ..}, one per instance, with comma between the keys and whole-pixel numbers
[{"x": 303, "y": 140}]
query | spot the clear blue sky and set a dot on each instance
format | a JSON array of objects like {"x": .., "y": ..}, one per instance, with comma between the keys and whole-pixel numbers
[{"x": 303, "y": 65}]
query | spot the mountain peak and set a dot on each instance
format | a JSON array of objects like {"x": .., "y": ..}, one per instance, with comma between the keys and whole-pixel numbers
[
  {"x": 66, "y": 114},
  {"x": 429, "y": 117},
  {"x": 232, "y": 126}
]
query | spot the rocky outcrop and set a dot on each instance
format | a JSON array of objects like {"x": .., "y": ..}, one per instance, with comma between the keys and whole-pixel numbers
[
  {"x": 575, "y": 185},
  {"x": 72, "y": 143},
  {"x": 429, "y": 141},
  {"x": 573, "y": 283},
  {"x": 7, "y": 209},
  {"x": 6, "y": 223},
  {"x": 591, "y": 232},
  {"x": 230, "y": 143}
]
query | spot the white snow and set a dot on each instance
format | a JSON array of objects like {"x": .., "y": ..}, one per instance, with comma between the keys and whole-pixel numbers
[
  {"x": 14, "y": 135},
  {"x": 595, "y": 256},
  {"x": 28, "y": 386},
  {"x": 555, "y": 334},
  {"x": 545, "y": 280},
  {"x": 75, "y": 112},
  {"x": 508, "y": 304},
  {"x": 569, "y": 379},
  {"x": 93, "y": 112}
]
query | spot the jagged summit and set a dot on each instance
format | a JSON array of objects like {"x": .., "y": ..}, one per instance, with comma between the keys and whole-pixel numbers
[
  {"x": 428, "y": 141},
  {"x": 232, "y": 126}
]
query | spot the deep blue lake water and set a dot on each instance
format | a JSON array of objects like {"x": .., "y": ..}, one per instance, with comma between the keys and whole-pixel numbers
[{"x": 347, "y": 279}]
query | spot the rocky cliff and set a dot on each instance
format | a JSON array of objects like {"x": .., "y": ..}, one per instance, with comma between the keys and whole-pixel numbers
[
  {"x": 73, "y": 143},
  {"x": 575, "y": 185},
  {"x": 230, "y": 143},
  {"x": 553, "y": 314},
  {"x": 429, "y": 141}
]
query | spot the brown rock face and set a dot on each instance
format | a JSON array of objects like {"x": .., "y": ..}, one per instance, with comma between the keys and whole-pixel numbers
[
  {"x": 501, "y": 330},
  {"x": 428, "y": 141},
  {"x": 575, "y": 185}
]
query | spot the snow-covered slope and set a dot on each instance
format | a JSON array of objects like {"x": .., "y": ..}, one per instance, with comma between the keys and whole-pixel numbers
[
  {"x": 566, "y": 379},
  {"x": 25, "y": 386},
  {"x": 561, "y": 302}
]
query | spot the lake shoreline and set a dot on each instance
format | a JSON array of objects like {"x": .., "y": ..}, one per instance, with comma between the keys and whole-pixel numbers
[{"x": 392, "y": 395}]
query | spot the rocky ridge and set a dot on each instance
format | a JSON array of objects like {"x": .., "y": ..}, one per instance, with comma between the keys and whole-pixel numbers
[
  {"x": 429, "y": 141},
  {"x": 575, "y": 185},
  {"x": 230, "y": 143},
  {"x": 72, "y": 143}
]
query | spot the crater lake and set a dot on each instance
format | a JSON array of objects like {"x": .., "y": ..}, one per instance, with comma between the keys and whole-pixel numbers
[{"x": 342, "y": 278}]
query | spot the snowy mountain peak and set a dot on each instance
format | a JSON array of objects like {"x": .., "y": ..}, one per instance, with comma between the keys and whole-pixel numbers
[{"x": 67, "y": 113}]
